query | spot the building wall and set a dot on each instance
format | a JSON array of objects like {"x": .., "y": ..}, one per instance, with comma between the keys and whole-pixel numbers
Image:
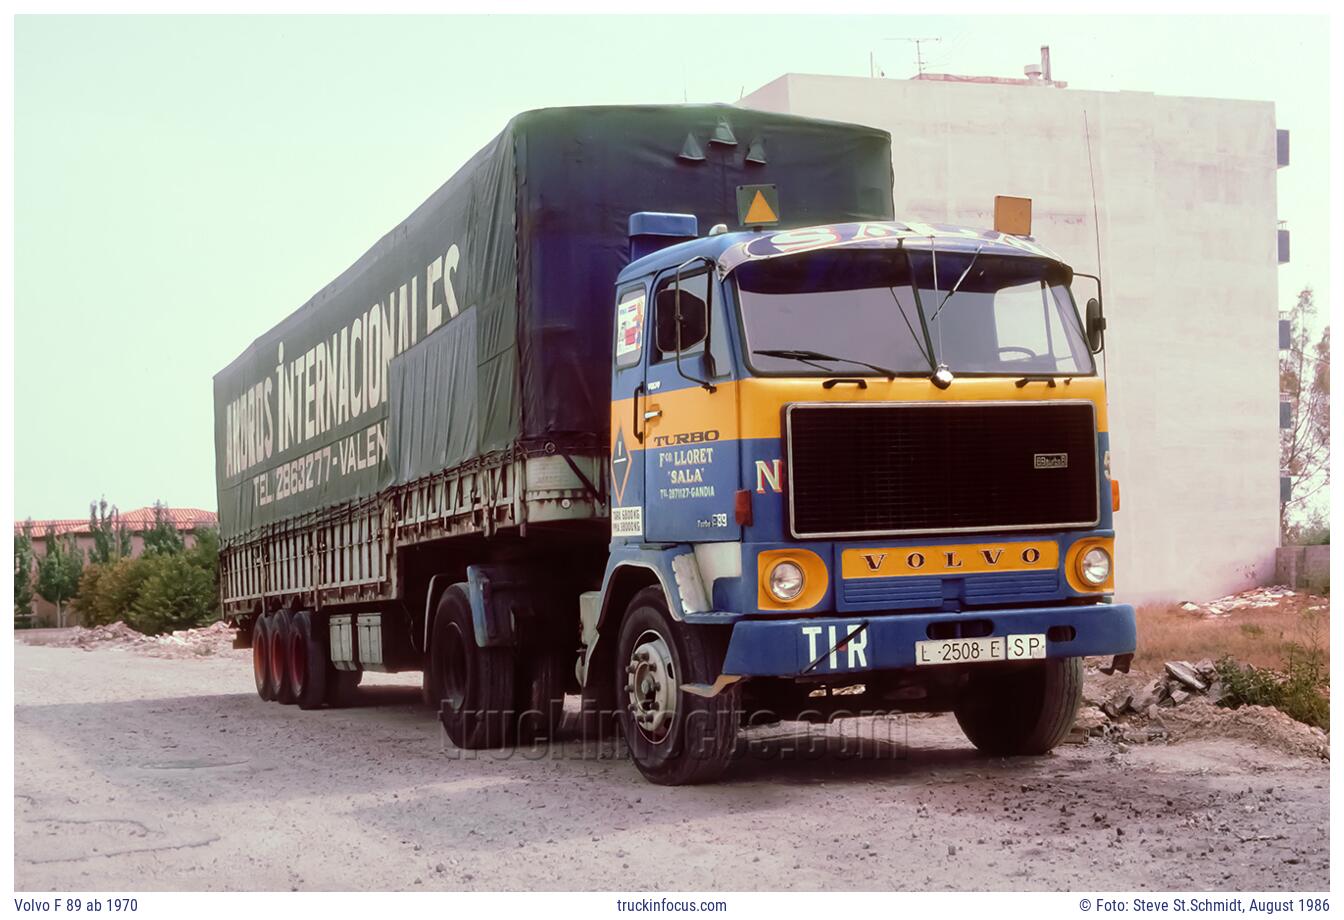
[
  {"x": 44, "y": 612},
  {"x": 1186, "y": 195}
]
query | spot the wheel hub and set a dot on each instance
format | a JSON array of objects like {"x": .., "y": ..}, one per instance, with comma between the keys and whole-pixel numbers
[{"x": 651, "y": 686}]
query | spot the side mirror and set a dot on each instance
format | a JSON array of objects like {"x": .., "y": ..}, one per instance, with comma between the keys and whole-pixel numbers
[
  {"x": 682, "y": 320},
  {"x": 1096, "y": 326}
]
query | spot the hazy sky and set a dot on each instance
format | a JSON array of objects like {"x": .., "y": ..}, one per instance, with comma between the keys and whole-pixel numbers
[{"x": 181, "y": 184}]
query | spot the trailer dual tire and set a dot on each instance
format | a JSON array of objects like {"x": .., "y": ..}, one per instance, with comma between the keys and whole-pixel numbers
[
  {"x": 261, "y": 658},
  {"x": 675, "y": 738},
  {"x": 307, "y": 662},
  {"x": 281, "y": 622},
  {"x": 1021, "y": 710},
  {"x": 473, "y": 685}
]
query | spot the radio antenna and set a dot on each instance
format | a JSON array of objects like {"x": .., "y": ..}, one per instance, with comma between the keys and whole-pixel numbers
[{"x": 1096, "y": 222}]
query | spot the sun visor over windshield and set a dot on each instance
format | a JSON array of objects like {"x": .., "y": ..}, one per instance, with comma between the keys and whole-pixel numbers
[{"x": 876, "y": 235}]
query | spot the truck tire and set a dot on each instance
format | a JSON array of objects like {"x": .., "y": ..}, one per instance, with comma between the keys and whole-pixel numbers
[
  {"x": 543, "y": 675},
  {"x": 1021, "y": 710},
  {"x": 675, "y": 738},
  {"x": 474, "y": 686},
  {"x": 261, "y": 657},
  {"x": 307, "y": 662},
  {"x": 281, "y": 622}
]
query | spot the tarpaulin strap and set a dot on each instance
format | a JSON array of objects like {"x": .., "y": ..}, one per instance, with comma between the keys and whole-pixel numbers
[{"x": 598, "y": 497}]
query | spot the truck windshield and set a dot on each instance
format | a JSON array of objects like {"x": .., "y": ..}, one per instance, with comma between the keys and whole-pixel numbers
[{"x": 1009, "y": 315}]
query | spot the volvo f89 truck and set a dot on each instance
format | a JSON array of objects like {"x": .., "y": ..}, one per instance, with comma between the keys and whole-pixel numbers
[{"x": 662, "y": 407}]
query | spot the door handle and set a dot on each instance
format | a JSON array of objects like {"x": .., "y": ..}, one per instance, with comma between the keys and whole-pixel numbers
[
  {"x": 652, "y": 414},
  {"x": 639, "y": 432}
]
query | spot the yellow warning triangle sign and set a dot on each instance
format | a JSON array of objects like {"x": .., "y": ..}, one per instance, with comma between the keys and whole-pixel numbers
[{"x": 759, "y": 212}]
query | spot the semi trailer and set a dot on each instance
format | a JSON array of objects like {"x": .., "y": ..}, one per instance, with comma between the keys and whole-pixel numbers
[{"x": 661, "y": 406}]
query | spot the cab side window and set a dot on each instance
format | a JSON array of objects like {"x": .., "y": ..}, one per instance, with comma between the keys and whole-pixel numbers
[
  {"x": 695, "y": 293},
  {"x": 630, "y": 310}
]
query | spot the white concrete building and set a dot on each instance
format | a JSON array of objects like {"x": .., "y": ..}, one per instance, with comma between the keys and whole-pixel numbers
[{"x": 1185, "y": 190}]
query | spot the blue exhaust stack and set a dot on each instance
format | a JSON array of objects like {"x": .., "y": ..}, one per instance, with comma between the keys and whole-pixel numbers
[{"x": 654, "y": 230}]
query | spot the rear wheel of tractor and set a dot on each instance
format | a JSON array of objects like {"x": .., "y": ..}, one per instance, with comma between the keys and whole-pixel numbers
[
  {"x": 261, "y": 657},
  {"x": 307, "y": 662},
  {"x": 1026, "y": 709},
  {"x": 474, "y": 686},
  {"x": 675, "y": 738},
  {"x": 543, "y": 674},
  {"x": 282, "y": 626}
]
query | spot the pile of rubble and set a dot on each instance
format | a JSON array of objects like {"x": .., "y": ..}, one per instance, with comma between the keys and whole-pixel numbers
[
  {"x": 215, "y": 639},
  {"x": 1182, "y": 704},
  {"x": 1256, "y": 597}
]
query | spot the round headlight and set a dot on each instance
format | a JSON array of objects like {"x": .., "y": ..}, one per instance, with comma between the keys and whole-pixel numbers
[
  {"x": 786, "y": 580},
  {"x": 1095, "y": 566}
]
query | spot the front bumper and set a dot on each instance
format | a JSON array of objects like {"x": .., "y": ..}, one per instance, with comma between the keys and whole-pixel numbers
[{"x": 781, "y": 648}]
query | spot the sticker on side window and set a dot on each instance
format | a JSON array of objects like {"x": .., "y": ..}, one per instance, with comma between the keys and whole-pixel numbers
[{"x": 629, "y": 326}]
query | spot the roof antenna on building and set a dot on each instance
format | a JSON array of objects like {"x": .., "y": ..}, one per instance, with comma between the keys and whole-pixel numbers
[{"x": 919, "y": 50}]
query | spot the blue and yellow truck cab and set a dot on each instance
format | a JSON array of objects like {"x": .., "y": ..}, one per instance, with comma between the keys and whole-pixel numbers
[{"x": 867, "y": 454}]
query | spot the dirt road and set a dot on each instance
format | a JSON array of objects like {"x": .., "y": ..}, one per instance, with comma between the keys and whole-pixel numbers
[{"x": 142, "y": 773}]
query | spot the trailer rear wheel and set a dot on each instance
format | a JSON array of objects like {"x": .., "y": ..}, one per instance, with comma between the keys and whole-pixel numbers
[
  {"x": 1026, "y": 709},
  {"x": 261, "y": 657},
  {"x": 307, "y": 662},
  {"x": 281, "y": 626},
  {"x": 675, "y": 738},
  {"x": 474, "y": 686}
]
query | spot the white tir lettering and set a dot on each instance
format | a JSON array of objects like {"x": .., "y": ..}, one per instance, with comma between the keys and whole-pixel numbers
[
  {"x": 811, "y": 632},
  {"x": 858, "y": 647}
]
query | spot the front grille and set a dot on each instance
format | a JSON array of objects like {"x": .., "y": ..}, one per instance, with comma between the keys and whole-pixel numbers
[{"x": 893, "y": 468}]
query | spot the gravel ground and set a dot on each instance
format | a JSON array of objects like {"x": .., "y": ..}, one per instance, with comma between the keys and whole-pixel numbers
[{"x": 135, "y": 772}]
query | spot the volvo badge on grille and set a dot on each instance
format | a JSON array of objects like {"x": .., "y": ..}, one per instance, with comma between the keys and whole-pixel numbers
[{"x": 1052, "y": 461}]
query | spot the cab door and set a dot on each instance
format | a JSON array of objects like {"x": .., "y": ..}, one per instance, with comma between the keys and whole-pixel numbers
[
  {"x": 689, "y": 437},
  {"x": 627, "y": 402}
]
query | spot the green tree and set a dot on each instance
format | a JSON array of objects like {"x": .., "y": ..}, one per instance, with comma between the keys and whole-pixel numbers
[
  {"x": 23, "y": 575},
  {"x": 59, "y": 571},
  {"x": 111, "y": 537},
  {"x": 1304, "y": 446},
  {"x": 164, "y": 537}
]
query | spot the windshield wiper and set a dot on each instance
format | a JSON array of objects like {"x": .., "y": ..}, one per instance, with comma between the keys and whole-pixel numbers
[
  {"x": 956, "y": 286},
  {"x": 807, "y": 356}
]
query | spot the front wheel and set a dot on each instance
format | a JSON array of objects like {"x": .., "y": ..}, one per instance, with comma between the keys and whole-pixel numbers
[
  {"x": 1022, "y": 709},
  {"x": 675, "y": 738}
]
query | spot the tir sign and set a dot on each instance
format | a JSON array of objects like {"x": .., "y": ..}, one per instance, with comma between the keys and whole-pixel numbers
[
  {"x": 1012, "y": 215},
  {"x": 757, "y": 205}
]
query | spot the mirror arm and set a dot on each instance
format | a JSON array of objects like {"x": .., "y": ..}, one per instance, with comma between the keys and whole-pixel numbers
[{"x": 676, "y": 317}]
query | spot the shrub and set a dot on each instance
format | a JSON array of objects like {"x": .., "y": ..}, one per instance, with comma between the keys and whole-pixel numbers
[
  {"x": 1298, "y": 693},
  {"x": 177, "y": 593},
  {"x": 108, "y": 593}
]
